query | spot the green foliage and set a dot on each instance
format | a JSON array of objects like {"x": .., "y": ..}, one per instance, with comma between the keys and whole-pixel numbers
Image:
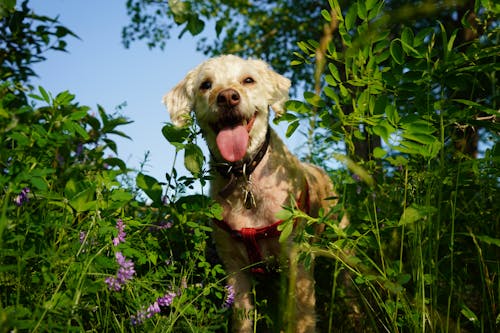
[
  {"x": 417, "y": 98},
  {"x": 24, "y": 37},
  {"x": 79, "y": 250},
  {"x": 407, "y": 102},
  {"x": 56, "y": 244}
]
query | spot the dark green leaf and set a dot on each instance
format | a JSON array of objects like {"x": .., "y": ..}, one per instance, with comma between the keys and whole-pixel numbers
[
  {"x": 397, "y": 51},
  {"x": 195, "y": 25},
  {"x": 113, "y": 161},
  {"x": 175, "y": 134},
  {"x": 150, "y": 186},
  {"x": 291, "y": 128}
]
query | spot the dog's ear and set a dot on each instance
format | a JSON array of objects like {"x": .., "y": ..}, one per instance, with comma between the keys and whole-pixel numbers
[
  {"x": 281, "y": 86},
  {"x": 278, "y": 88},
  {"x": 179, "y": 100}
]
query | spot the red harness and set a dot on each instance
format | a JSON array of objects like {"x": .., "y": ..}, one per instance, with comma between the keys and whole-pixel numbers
[{"x": 250, "y": 236}]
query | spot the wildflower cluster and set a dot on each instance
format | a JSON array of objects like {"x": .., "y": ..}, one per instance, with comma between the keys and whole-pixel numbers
[
  {"x": 22, "y": 197},
  {"x": 125, "y": 273},
  {"x": 120, "y": 238},
  {"x": 153, "y": 308},
  {"x": 126, "y": 270},
  {"x": 229, "y": 299}
]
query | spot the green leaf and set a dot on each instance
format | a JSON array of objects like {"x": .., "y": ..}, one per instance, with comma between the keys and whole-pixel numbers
[
  {"x": 314, "y": 99},
  {"x": 452, "y": 40},
  {"x": 397, "y": 51},
  {"x": 283, "y": 215},
  {"x": 362, "y": 12},
  {"x": 469, "y": 314},
  {"x": 193, "y": 159},
  {"x": 175, "y": 134},
  {"x": 80, "y": 130},
  {"x": 45, "y": 94},
  {"x": 379, "y": 152},
  {"x": 121, "y": 195},
  {"x": 286, "y": 231},
  {"x": 216, "y": 211},
  {"x": 489, "y": 240},
  {"x": 392, "y": 114},
  {"x": 350, "y": 17},
  {"x": 297, "y": 106},
  {"x": 113, "y": 161},
  {"x": 335, "y": 72},
  {"x": 370, "y": 4},
  {"x": 292, "y": 127},
  {"x": 77, "y": 115},
  {"x": 407, "y": 38},
  {"x": 332, "y": 94},
  {"x": 39, "y": 183},
  {"x": 416, "y": 125},
  {"x": 150, "y": 186},
  {"x": 384, "y": 130},
  {"x": 195, "y": 25},
  {"x": 64, "y": 98},
  {"x": 330, "y": 80},
  {"x": 326, "y": 15},
  {"x": 419, "y": 137},
  {"x": 83, "y": 200},
  {"x": 415, "y": 213}
]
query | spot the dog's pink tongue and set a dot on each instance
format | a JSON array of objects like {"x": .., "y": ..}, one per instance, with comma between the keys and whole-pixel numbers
[{"x": 233, "y": 143}]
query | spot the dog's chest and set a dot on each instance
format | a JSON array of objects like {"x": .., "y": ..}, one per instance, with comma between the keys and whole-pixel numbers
[{"x": 269, "y": 194}]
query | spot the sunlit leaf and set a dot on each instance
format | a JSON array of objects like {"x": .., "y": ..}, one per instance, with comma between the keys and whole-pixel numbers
[{"x": 193, "y": 158}]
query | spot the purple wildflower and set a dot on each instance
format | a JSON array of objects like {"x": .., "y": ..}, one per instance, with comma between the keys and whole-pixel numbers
[
  {"x": 126, "y": 270},
  {"x": 162, "y": 225},
  {"x": 22, "y": 197},
  {"x": 120, "y": 238},
  {"x": 153, "y": 308},
  {"x": 138, "y": 318},
  {"x": 113, "y": 283},
  {"x": 167, "y": 299},
  {"x": 83, "y": 234},
  {"x": 229, "y": 299},
  {"x": 125, "y": 273}
]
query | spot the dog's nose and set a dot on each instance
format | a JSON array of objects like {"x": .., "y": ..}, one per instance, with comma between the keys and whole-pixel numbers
[{"x": 228, "y": 98}]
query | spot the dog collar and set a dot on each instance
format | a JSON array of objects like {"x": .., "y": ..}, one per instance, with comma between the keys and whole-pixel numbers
[{"x": 243, "y": 168}]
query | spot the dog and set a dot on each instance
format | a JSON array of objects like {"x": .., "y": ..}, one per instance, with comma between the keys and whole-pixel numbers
[{"x": 254, "y": 174}]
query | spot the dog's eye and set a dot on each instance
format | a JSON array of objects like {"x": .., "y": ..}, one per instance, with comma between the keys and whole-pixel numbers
[
  {"x": 205, "y": 85},
  {"x": 248, "y": 80}
]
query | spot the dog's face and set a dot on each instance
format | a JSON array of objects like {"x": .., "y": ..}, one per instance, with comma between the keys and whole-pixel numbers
[{"x": 230, "y": 97}]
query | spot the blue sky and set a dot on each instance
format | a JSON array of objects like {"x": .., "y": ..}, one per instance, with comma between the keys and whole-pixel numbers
[{"x": 99, "y": 70}]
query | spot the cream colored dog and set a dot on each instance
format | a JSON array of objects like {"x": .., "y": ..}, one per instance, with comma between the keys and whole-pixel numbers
[{"x": 255, "y": 175}]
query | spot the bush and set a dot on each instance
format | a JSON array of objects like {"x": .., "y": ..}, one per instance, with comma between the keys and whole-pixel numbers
[{"x": 78, "y": 250}]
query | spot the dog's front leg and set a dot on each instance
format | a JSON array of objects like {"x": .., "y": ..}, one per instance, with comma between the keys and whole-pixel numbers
[
  {"x": 304, "y": 288},
  {"x": 243, "y": 306},
  {"x": 300, "y": 316}
]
